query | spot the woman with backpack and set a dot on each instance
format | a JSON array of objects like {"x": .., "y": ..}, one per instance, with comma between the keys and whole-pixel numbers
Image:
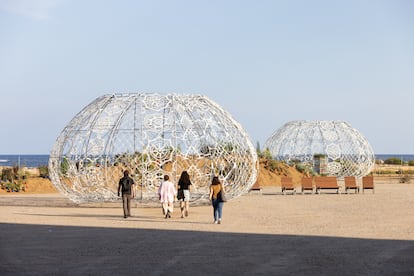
[{"x": 126, "y": 186}]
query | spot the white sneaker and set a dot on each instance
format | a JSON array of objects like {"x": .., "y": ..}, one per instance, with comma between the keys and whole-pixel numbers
[
  {"x": 215, "y": 222},
  {"x": 219, "y": 222}
]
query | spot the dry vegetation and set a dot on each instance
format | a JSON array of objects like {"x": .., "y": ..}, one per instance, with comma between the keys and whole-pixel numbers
[{"x": 269, "y": 175}]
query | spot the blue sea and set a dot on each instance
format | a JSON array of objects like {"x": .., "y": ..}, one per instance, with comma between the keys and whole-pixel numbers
[
  {"x": 24, "y": 160},
  {"x": 37, "y": 160}
]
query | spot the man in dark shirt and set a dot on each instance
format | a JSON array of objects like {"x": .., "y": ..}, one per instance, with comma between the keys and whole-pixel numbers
[{"x": 126, "y": 186}]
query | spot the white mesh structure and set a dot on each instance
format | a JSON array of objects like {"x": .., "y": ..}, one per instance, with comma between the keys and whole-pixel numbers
[
  {"x": 344, "y": 150},
  {"x": 151, "y": 135}
]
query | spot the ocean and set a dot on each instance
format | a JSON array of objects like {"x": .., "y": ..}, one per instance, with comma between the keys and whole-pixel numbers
[
  {"x": 37, "y": 160},
  {"x": 24, "y": 160}
]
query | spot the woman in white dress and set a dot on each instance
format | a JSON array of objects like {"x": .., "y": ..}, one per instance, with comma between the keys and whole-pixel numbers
[{"x": 167, "y": 194}]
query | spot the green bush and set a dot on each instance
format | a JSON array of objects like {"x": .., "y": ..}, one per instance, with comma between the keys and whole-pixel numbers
[
  {"x": 304, "y": 168},
  {"x": 64, "y": 166},
  {"x": 273, "y": 165},
  {"x": 258, "y": 151},
  {"x": 12, "y": 187},
  {"x": 386, "y": 172},
  {"x": 44, "y": 171},
  {"x": 393, "y": 161},
  {"x": 411, "y": 163},
  {"x": 266, "y": 154},
  {"x": 7, "y": 174},
  {"x": 400, "y": 172}
]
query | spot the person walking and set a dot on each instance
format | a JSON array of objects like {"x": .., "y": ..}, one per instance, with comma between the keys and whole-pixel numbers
[
  {"x": 183, "y": 195},
  {"x": 126, "y": 186},
  {"x": 167, "y": 194},
  {"x": 215, "y": 188}
]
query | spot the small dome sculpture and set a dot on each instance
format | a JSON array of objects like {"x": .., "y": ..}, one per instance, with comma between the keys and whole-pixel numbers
[
  {"x": 326, "y": 147},
  {"x": 151, "y": 135}
]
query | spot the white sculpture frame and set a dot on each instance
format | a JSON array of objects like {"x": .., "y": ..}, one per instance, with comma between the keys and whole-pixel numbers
[
  {"x": 347, "y": 151},
  {"x": 151, "y": 135}
]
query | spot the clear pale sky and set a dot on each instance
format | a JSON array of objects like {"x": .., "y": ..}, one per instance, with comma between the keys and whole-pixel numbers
[{"x": 266, "y": 62}]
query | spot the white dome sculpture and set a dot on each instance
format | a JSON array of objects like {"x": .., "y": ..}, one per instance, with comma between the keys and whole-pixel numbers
[
  {"x": 329, "y": 147},
  {"x": 151, "y": 135}
]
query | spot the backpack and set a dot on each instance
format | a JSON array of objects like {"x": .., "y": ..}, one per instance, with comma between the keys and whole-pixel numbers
[{"x": 126, "y": 185}]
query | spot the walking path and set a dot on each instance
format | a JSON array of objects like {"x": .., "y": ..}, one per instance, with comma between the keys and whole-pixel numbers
[{"x": 268, "y": 233}]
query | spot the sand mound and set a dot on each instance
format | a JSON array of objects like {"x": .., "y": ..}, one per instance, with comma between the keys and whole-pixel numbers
[
  {"x": 36, "y": 185},
  {"x": 267, "y": 177},
  {"x": 40, "y": 186}
]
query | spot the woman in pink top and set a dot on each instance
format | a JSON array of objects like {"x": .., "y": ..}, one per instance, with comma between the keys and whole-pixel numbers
[{"x": 167, "y": 194}]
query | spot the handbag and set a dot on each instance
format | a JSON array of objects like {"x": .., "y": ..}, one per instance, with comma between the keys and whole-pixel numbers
[
  {"x": 222, "y": 196},
  {"x": 180, "y": 194}
]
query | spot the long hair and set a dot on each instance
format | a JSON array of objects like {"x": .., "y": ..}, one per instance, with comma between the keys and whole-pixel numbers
[
  {"x": 184, "y": 178},
  {"x": 215, "y": 181}
]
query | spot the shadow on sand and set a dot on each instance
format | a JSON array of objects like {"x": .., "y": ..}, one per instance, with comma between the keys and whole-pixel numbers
[{"x": 64, "y": 250}]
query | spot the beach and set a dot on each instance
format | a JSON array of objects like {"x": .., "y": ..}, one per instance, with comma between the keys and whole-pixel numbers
[{"x": 262, "y": 233}]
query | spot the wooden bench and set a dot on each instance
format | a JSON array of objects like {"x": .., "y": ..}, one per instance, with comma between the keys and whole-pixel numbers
[
  {"x": 256, "y": 187},
  {"x": 307, "y": 184},
  {"x": 368, "y": 183},
  {"x": 350, "y": 183},
  {"x": 326, "y": 182},
  {"x": 287, "y": 185}
]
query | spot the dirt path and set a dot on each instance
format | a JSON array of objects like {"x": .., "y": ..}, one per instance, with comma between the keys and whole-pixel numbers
[{"x": 266, "y": 233}]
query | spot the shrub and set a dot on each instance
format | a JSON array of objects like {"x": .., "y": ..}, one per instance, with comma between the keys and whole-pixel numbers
[
  {"x": 267, "y": 154},
  {"x": 273, "y": 165},
  {"x": 7, "y": 174},
  {"x": 64, "y": 166},
  {"x": 304, "y": 168},
  {"x": 386, "y": 172},
  {"x": 393, "y": 161},
  {"x": 44, "y": 171},
  {"x": 411, "y": 163},
  {"x": 258, "y": 151},
  {"x": 12, "y": 187}
]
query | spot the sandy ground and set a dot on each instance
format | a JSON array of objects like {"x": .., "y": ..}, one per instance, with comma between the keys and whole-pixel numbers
[{"x": 262, "y": 233}]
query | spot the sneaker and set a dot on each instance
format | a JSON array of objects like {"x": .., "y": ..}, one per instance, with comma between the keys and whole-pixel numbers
[
  {"x": 215, "y": 222},
  {"x": 219, "y": 222}
]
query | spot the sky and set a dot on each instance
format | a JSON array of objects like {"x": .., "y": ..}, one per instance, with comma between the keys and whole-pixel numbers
[{"x": 265, "y": 62}]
